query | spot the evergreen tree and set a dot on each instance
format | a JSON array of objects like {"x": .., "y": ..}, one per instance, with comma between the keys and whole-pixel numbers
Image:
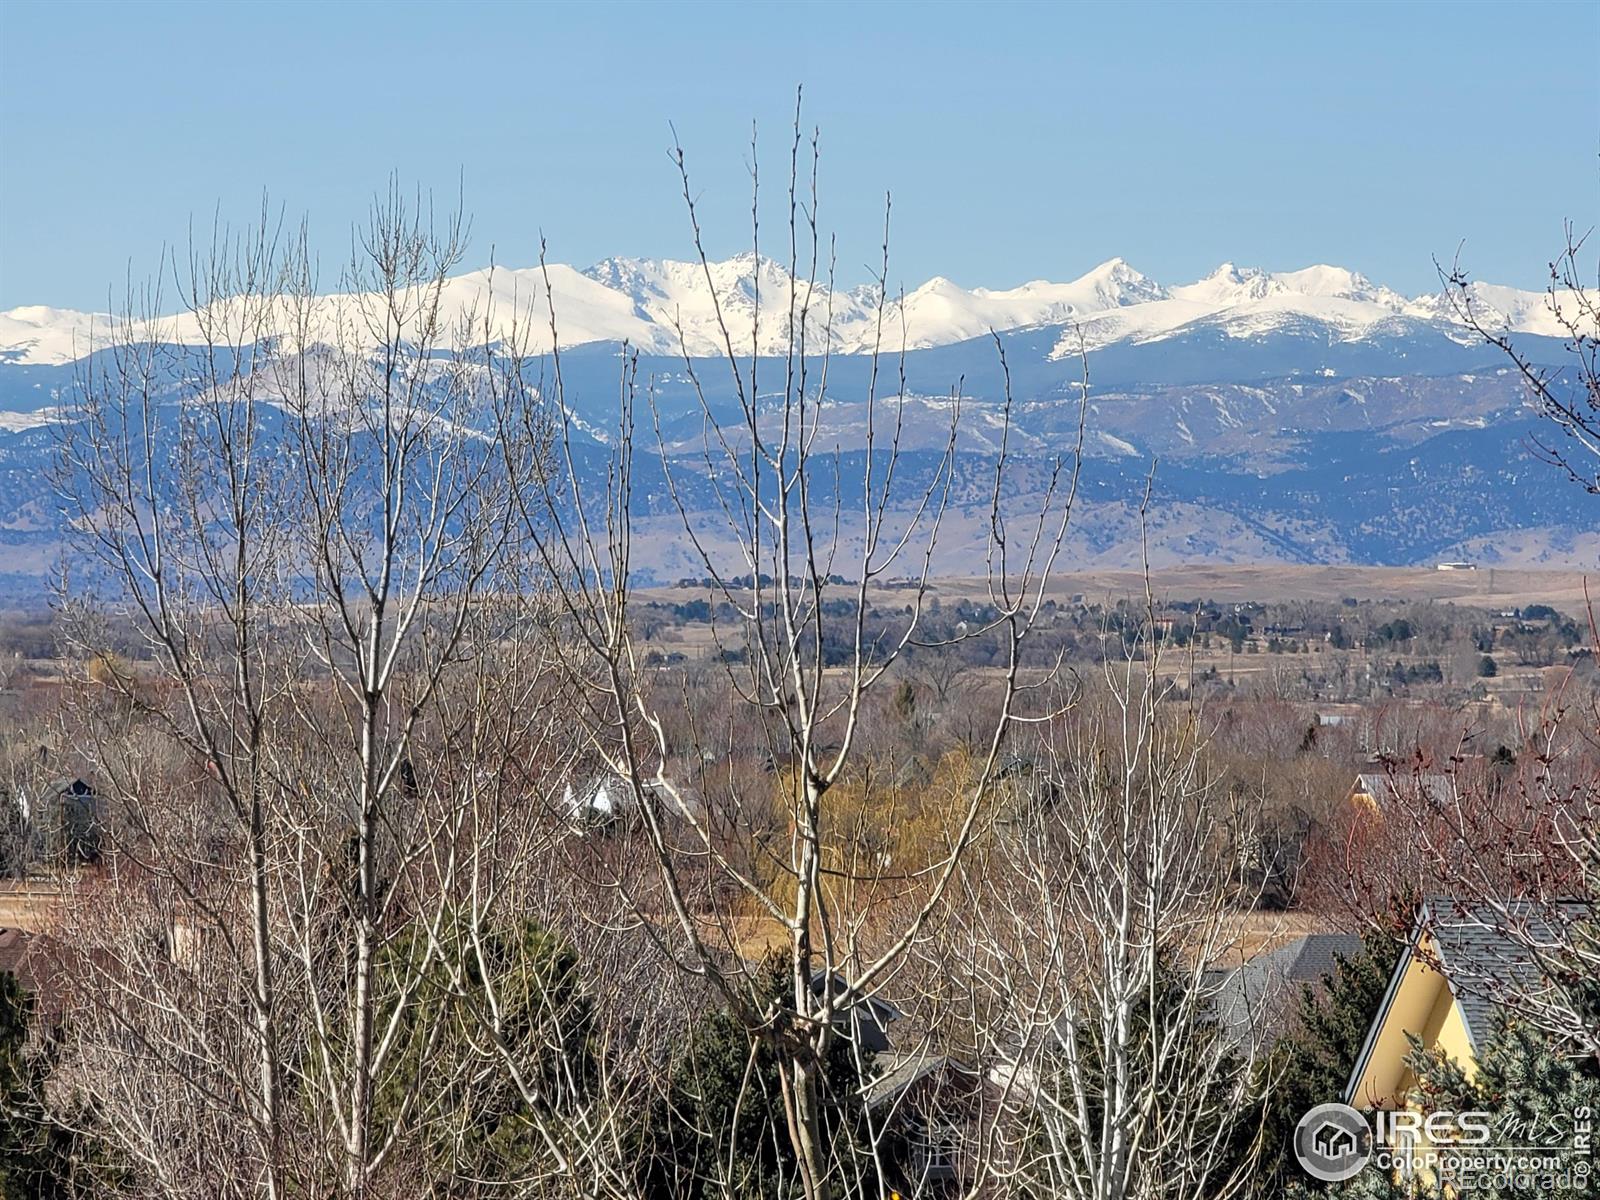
[
  {"x": 723, "y": 1115},
  {"x": 23, "y": 1165},
  {"x": 1312, "y": 1060},
  {"x": 478, "y": 1125},
  {"x": 1533, "y": 1087},
  {"x": 40, "y": 1159}
]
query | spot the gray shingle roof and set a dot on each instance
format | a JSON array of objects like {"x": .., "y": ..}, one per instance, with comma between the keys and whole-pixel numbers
[
  {"x": 1261, "y": 986},
  {"x": 897, "y": 1072},
  {"x": 1487, "y": 954},
  {"x": 867, "y": 1018}
]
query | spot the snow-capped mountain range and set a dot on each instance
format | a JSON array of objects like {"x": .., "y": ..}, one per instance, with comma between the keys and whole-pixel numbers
[
  {"x": 668, "y": 307},
  {"x": 1299, "y": 416}
]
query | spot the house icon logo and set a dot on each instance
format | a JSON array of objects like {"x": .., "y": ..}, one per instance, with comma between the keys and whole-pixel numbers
[{"x": 1333, "y": 1142}]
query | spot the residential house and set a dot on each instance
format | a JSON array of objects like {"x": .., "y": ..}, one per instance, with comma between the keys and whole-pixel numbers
[
  {"x": 599, "y": 800},
  {"x": 1448, "y": 990},
  {"x": 1382, "y": 791},
  {"x": 931, "y": 1109},
  {"x": 865, "y": 1020},
  {"x": 925, "y": 1105}
]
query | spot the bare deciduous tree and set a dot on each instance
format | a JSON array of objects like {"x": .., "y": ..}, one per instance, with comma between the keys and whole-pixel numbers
[
  {"x": 1568, "y": 396},
  {"x": 304, "y": 507},
  {"x": 1085, "y": 945},
  {"x": 796, "y": 517}
]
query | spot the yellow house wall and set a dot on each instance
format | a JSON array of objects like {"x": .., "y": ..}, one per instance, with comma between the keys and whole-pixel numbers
[
  {"x": 1423, "y": 1005},
  {"x": 1451, "y": 1039}
]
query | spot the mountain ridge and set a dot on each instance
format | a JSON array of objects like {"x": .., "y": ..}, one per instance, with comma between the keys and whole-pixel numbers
[{"x": 668, "y": 306}]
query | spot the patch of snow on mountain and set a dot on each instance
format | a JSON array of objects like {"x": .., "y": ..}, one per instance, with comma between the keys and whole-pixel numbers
[
  {"x": 1503, "y": 308},
  {"x": 1116, "y": 444},
  {"x": 690, "y": 305},
  {"x": 37, "y": 334},
  {"x": 941, "y": 312}
]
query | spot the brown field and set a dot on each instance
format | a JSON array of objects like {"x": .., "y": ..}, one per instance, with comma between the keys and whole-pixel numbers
[
  {"x": 1486, "y": 587},
  {"x": 1255, "y": 934}
]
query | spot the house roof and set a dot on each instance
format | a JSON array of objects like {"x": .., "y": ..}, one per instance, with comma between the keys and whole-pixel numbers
[
  {"x": 1309, "y": 958},
  {"x": 1267, "y": 978},
  {"x": 902, "y": 1071},
  {"x": 1484, "y": 953},
  {"x": 599, "y": 795},
  {"x": 1482, "y": 958},
  {"x": 835, "y": 984},
  {"x": 26, "y": 955},
  {"x": 607, "y": 795},
  {"x": 1384, "y": 787}
]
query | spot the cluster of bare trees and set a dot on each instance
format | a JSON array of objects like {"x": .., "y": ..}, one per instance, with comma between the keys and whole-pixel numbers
[{"x": 309, "y": 527}]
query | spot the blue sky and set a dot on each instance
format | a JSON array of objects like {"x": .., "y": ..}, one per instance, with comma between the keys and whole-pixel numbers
[{"x": 1020, "y": 141}]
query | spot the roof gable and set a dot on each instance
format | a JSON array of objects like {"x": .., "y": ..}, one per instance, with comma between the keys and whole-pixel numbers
[{"x": 1473, "y": 958}]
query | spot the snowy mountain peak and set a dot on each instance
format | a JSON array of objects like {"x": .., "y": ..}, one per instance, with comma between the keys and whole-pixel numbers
[
  {"x": 1114, "y": 268},
  {"x": 1229, "y": 285},
  {"x": 37, "y": 333},
  {"x": 1118, "y": 280}
]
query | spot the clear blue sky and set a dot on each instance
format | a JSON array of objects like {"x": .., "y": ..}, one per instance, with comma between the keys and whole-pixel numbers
[{"x": 1019, "y": 141}]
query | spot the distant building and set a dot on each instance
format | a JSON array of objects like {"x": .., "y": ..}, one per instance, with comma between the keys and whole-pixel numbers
[
  {"x": 599, "y": 800},
  {"x": 63, "y": 822},
  {"x": 1381, "y": 792},
  {"x": 1458, "y": 566},
  {"x": 607, "y": 799},
  {"x": 930, "y": 1107}
]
